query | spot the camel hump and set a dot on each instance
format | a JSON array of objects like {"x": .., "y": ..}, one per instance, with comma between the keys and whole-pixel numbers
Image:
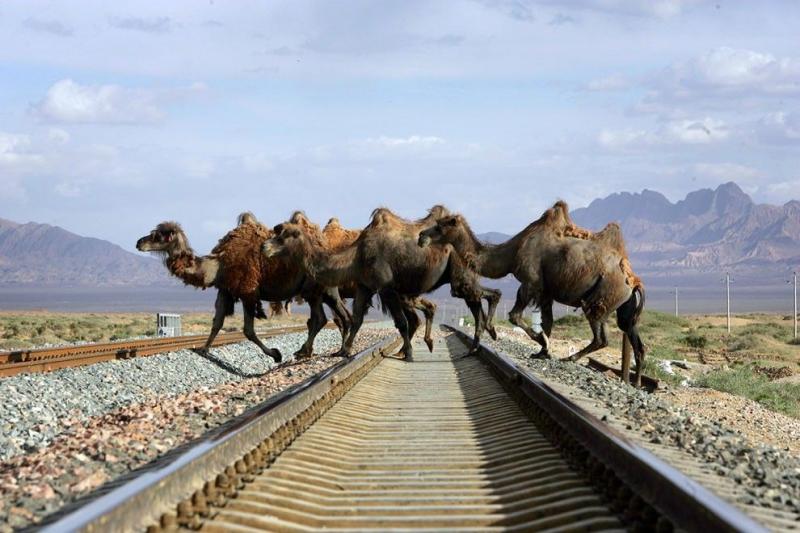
[
  {"x": 246, "y": 218},
  {"x": 611, "y": 236},
  {"x": 438, "y": 211}
]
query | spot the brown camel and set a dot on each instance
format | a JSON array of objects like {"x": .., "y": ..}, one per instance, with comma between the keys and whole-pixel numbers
[
  {"x": 338, "y": 238},
  {"x": 238, "y": 269},
  {"x": 554, "y": 260},
  {"x": 385, "y": 259}
]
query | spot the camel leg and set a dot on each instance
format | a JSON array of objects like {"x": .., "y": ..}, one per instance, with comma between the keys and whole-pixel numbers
[
  {"x": 599, "y": 339},
  {"x": 492, "y": 297},
  {"x": 626, "y": 321},
  {"x": 342, "y": 317},
  {"x": 515, "y": 317},
  {"x": 546, "y": 308},
  {"x": 250, "y": 333},
  {"x": 316, "y": 321},
  {"x": 477, "y": 313},
  {"x": 221, "y": 307},
  {"x": 428, "y": 309},
  {"x": 392, "y": 300},
  {"x": 360, "y": 305},
  {"x": 411, "y": 317}
]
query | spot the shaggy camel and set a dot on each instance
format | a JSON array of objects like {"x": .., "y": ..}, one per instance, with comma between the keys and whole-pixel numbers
[
  {"x": 384, "y": 259},
  {"x": 554, "y": 260},
  {"x": 238, "y": 269},
  {"x": 339, "y": 237}
]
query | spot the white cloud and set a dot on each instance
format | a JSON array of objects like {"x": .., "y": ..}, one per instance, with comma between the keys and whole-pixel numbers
[
  {"x": 703, "y": 131},
  {"x": 643, "y": 8},
  {"x": 724, "y": 172},
  {"x": 17, "y": 155},
  {"x": 70, "y": 102},
  {"x": 779, "y": 128},
  {"x": 399, "y": 142},
  {"x": 727, "y": 72},
  {"x": 147, "y": 25},
  {"x": 58, "y": 135},
  {"x": 609, "y": 83},
  {"x": 53, "y": 27},
  {"x": 257, "y": 164}
]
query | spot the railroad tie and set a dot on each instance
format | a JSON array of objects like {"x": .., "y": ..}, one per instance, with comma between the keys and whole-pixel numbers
[{"x": 430, "y": 445}]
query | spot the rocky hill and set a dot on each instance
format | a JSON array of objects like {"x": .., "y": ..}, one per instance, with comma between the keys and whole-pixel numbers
[
  {"x": 709, "y": 230},
  {"x": 40, "y": 254}
]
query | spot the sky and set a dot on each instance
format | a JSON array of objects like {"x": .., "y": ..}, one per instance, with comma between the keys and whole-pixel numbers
[{"x": 115, "y": 116}]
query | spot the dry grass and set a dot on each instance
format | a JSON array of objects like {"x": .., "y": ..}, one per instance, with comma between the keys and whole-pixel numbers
[{"x": 26, "y": 329}]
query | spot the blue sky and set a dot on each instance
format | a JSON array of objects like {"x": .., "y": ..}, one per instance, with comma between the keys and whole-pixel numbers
[{"x": 115, "y": 116}]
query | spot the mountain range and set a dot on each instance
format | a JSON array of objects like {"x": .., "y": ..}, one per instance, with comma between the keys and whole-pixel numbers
[
  {"x": 706, "y": 232},
  {"x": 709, "y": 230},
  {"x": 41, "y": 254}
]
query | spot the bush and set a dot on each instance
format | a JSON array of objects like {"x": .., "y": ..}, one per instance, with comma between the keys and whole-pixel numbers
[
  {"x": 695, "y": 340},
  {"x": 570, "y": 320},
  {"x": 744, "y": 381}
]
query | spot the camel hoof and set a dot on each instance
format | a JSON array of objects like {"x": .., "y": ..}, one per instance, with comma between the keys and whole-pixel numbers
[
  {"x": 302, "y": 354},
  {"x": 342, "y": 353},
  {"x": 572, "y": 358},
  {"x": 492, "y": 333},
  {"x": 473, "y": 351},
  {"x": 541, "y": 354},
  {"x": 408, "y": 358},
  {"x": 429, "y": 344},
  {"x": 201, "y": 351},
  {"x": 276, "y": 355}
]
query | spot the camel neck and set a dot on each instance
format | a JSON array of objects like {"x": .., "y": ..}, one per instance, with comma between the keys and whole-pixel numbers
[
  {"x": 332, "y": 269},
  {"x": 491, "y": 261},
  {"x": 192, "y": 270}
]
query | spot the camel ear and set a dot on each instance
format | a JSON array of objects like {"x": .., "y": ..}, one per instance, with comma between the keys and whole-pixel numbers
[{"x": 451, "y": 221}]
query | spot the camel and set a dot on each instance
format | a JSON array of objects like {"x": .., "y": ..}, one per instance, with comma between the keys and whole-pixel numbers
[
  {"x": 554, "y": 260},
  {"x": 385, "y": 259},
  {"x": 339, "y": 237},
  {"x": 239, "y": 271}
]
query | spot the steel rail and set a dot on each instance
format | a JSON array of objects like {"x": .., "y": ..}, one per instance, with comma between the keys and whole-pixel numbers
[
  {"x": 47, "y": 359},
  {"x": 446, "y": 442},
  {"x": 142, "y": 497},
  {"x": 686, "y": 503}
]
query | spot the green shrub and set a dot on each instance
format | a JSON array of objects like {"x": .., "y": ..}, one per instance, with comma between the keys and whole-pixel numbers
[
  {"x": 742, "y": 380},
  {"x": 695, "y": 340},
  {"x": 570, "y": 320}
]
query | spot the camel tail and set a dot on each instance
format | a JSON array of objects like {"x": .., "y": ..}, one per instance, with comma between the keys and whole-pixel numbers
[
  {"x": 638, "y": 289},
  {"x": 384, "y": 307}
]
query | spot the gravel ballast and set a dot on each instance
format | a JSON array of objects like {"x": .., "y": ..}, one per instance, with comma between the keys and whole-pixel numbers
[
  {"x": 91, "y": 450},
  {"x": 35, "y": 406},
  {"x": 769, "y": 476}
]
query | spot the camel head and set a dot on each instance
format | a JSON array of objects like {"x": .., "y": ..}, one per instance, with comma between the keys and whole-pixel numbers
[
  {"x": 165, "y": 238},
  {"x": 447, "y": 230},
  {"x": 288, "y": 238}
]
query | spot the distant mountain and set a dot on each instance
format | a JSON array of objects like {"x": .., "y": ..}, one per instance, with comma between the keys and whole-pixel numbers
[
  {"x": 709, "y": 230},
  {"x": 41, "y": 254}
]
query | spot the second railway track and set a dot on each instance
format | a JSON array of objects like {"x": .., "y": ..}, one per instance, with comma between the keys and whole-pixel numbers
[
  {"x": 47, "y": 359},
  {"x": 444, "y": 443}
]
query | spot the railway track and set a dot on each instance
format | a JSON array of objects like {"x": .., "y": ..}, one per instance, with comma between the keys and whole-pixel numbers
[
  {"x": 374, "y": 443},
  {"x": 47, "y": 359}
]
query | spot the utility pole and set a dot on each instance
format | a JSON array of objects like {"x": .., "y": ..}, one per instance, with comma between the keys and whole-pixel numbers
[
  {"x": 676, "y": 301},
  {"x": 728, "y": 299},
  {"x": 794, "y": 315}
]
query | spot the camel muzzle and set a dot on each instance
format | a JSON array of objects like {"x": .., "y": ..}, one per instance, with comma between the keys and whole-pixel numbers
[
  {"x": 140, "y": 244},
  {"x": 423, "y": 241}
]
